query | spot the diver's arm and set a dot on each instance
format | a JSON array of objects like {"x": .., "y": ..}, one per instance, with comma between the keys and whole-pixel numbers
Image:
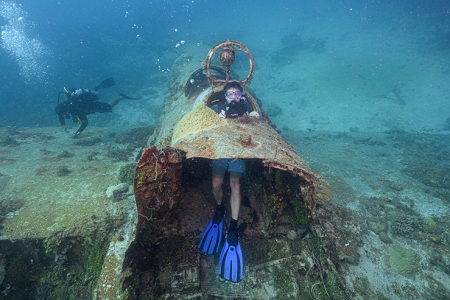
[
  {"x": 84, "y": 124},
  {"x": 219, "y": 107},
  {"x": 250, "y": 111},
  {"x": 61, "y": 120},
  {"x": 254, "y": 114},
  {"x": 220, "y": 110},
  {"x": 249, "y": 106},
  {"x": 95, "y": 94}
]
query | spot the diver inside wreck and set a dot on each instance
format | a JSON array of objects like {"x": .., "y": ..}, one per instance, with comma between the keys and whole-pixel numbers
[
  {"x": 175, "y": 200},
  {"x": 231, "y": 261}
]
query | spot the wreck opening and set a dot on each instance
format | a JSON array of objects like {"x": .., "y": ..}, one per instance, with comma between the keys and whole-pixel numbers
[
  {"x": 170, "y": 225},
  {"x": 272, "y": 199},
  {"x": 263, "y": 188}
]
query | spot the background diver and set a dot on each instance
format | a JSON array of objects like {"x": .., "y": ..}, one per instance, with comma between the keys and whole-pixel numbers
[
  {"x": 83, "y": 102},
  {"x": 231, "y": 104}
]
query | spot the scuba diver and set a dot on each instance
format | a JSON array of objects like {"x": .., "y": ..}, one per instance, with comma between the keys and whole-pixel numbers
[
  {"x": 231, "y": 104},
  {"x": 82, "y": 102}
]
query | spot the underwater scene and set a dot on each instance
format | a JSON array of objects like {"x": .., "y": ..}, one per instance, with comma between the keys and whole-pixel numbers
[{"x": 195, "y": 149}]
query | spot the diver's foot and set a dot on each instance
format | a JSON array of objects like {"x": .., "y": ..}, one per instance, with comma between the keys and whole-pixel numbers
[
  {"x": 212, "y": 236},
  {"x": 231, "y": 262}
]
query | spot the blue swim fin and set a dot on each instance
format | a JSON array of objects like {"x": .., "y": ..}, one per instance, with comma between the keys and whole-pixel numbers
[
  {"x": 212, "y": 236},
  {"x": 231, "y": 262}
]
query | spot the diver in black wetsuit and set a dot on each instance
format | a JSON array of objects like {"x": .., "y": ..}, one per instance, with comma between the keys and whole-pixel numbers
[{"x": 83, "y": 102}]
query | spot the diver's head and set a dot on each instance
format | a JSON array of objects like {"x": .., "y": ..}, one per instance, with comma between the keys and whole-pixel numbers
[
  {"x": 233, "y": 91},
  {"x": 72, "y": 92},
  {"x": 63, "y": 110}
]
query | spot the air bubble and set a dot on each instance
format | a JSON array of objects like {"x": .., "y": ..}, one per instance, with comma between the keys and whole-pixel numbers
[{"x": 29, "y": 53}]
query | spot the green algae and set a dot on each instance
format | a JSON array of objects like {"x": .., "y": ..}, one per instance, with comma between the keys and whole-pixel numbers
[
  {"x": 404, "y": 260},
  {"x": 118, "y": 154},
  {"x": 136, "y": 137},
  {"x": 430, "y": 226},
  {"x": 17, "y": 269},
  {"x": 300, "y": 214},
  {"x": 257, "y": 250},
  {"x": 361, "y": 285},
  {"x": 282, "y": 280},
  {"x": 295, "y": 246},
  {"x": 62, "y": 171},
  {"x": 68, "y": 271},
  {"x": 95, "y": 248},
  {"x": 126, "y": 173}
]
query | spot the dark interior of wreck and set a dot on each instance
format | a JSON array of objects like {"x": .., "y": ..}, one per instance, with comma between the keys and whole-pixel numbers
[{"x": 175, "y": 207}]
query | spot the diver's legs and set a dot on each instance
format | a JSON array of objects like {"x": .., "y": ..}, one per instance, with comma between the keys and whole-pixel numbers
[
  {"x": 217, "y": 181},
  {"x": 231, "y": 262},
  {"x": 212, "y": 235},
  {"x": 115, "y": 101},
  {"x": 236, "y": 198}
]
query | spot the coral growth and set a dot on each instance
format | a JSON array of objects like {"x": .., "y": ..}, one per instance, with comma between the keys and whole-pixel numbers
[
  {"x": 120, "y": 154},
  {"x": 137, "y": 137},
  {"x": 65, "y": 154},
  {"x": 8, "y": 141},
  {"x": 377, "y": 225},
  {"x": 406, "y": 225},
  {"x": 341, "y": 233},
  {"x": 62, "y": 171},
  {"x": 126, "y": 173}
]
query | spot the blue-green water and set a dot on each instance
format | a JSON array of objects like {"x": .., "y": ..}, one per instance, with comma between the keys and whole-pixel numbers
[
  {"x": 372, "y": 51},
  {"x": 359, "y": 88}
]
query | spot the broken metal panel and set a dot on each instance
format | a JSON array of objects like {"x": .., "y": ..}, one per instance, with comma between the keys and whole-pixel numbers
[{"x": 157, "y": 184}]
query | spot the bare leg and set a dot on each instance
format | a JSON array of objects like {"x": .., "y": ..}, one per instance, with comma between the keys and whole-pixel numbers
[
  {"x": 217, "y": 181},
  {"x": 236, "y": 198},
  {"x": 115, "y": 101}
]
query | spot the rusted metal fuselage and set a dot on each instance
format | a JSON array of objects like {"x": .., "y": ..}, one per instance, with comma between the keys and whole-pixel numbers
[{"x": 190, "y": 129}]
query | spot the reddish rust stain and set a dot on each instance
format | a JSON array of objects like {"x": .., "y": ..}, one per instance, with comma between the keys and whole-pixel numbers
[
  {"x": 241, "y": 129},
  {"x": 157, "y": 183}
]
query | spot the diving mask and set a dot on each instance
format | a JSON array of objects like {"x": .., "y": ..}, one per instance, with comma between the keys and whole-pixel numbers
[{"x": 233, "y": 94}]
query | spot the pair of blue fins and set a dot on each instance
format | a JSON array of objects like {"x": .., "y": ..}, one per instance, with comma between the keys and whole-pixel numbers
[{"x": 231, "y": 262}]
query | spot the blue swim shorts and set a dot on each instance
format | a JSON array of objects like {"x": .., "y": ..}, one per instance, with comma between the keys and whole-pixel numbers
[{"x": 230, "y": 164}]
